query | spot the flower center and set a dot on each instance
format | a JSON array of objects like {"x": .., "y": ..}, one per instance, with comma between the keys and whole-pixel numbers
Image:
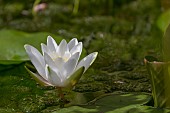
[{"x": 55, "y": 56}]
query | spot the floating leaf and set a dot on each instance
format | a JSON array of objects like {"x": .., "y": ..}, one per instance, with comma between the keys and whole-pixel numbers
[
  {"x": 12, "y": 44},
  {"x": 113, "y": 103}
]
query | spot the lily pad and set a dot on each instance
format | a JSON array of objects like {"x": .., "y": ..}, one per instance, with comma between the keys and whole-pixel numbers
[
  {"x": 12, "y": 44},
  {"x": 108, "y": 103},
  {"x": 116, "y": 103}
]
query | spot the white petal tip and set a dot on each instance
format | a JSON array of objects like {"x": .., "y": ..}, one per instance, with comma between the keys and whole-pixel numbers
[
  {"x": 49, "y": 36},
  {"x": 26, "y": 45},
  {"x": 80, "y": 43},
  {"x": 63, "y": 41},
  {"x": 75, "y": 39},
  {"x": 94, "y": 56}
]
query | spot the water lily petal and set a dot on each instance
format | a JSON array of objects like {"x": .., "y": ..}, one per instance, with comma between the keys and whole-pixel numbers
[
  {"x": 50, "y": 62},
  {"x": 74, "y": 78},
  {"x": 54, "y": 78},
  {"x": 72, "y": 43},
  {"x": 38, "y": 78},
  {"x": 44, "y": 48},
  {"x": 46, "y": 72},
  {"x": 59, "y": 62},
  {"x": 51, "y": 44},
  {"x": 63, "y": 47},
  {"x": 77, "y": 48},
  {"x": 36, "y": 59},
  {"x": 75, "y": 56},
  {"x": 33, "y": 50},
  {"x": 69, "y": 67},
  {"x": 66, "y": 56},
  {"x": 87, "y": 61}
]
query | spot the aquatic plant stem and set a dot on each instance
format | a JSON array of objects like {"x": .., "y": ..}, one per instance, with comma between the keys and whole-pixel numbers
[
  {"x": 76, "y": 7},
  {"x": 61, "y": 97},
  {"x": 36, "y": 2}
]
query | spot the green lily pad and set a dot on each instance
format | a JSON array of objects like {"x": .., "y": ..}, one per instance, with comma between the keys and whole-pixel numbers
[
  {"x": 116, "y": 103},
  {"x": 110, "y": 103},
  {"x": 12, "y": 44}
]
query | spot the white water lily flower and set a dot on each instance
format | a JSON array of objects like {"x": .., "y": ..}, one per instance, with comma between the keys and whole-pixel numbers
[{"x": 59, "y": 65}]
